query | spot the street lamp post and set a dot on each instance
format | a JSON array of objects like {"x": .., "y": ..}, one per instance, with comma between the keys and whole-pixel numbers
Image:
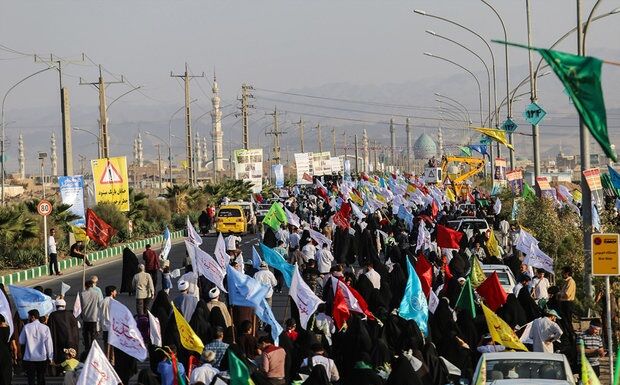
[
  {"x": 432, "y": 33},
  {"x": 2, "y": 135},
  {"x": 458, "y": 103},
  {"x": 93, "y": 134}
]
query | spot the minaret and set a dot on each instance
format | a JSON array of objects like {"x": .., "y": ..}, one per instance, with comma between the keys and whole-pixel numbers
[
  {"x": 408, "y": 131},
  {"x": 135, "y": 150},
  {"x": 205, "y": 152},
  {"x": 365, "y": 153},
  {"x": 21, "y": 157},
  {"x": 53, "y": 156},
  {"x": 198, "y": 155},
  {"x": 216, "y": 117},
  {"x": 140, "y": 152}
]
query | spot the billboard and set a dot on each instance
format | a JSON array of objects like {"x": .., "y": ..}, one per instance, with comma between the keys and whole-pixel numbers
[
  {"x": 72, "y": 193},
  {"x": 111, "y": 182},
  {"x": 515, "y": 181},
  {"x": 249, "y": 167},
  {"x": 303, "y": 166},
  {"x": 321, "y": 163}
]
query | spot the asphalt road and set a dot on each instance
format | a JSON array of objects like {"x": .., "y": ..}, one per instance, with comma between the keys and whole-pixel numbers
[{"x": 109, "y": 273}]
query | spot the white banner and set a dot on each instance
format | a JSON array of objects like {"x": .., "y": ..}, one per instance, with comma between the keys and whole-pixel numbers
[
  {"x": 5, "y": 310},
  {"x": 124, "y": 333},
  {"x": 292, "y": 218},
  {"x": 307, "y": 302},
  {"x": 97, "y": 369},
  {"x": 302, "y": 165},
  {"x": 220, "y": 252},
  {"x": 320, "y": 238},
  {"x": 206, "y": 265},
  {"x": 192, "y": 235},
  {"x": 72, "y": 193},
  {"x": 249, "y": 167}
]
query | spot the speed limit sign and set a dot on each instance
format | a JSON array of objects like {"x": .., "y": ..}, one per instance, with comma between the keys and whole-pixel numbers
[{"x": 44, "y": 207}]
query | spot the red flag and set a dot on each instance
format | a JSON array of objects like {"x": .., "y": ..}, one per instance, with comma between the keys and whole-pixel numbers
[
  {"x": 340, "y": 310},
  {"x": 307, "y": 177},
  {"x": 492, "y": 291},
  {"x": 446, "y": 268},
  {"x": 470, "y": 198},
  {"x": 364, "y": 176},
  {"x": 342, "y": 216},
  {"x": 259, "y": 198},
  {"x": 361, "y": 302},
  {"x": 425, "y": 272},
  {"x": 434, "y": 209},
  {"x": 448, "y": 238},
  {"x": 322, "y": 192},
  {"x": 97, "y": 229}
]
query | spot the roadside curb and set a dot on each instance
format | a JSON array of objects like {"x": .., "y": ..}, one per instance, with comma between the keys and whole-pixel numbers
[{"x": 39, "y": 271}]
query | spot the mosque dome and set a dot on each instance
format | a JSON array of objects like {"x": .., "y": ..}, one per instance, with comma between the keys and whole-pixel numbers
[{"x": 424, "y": 147}]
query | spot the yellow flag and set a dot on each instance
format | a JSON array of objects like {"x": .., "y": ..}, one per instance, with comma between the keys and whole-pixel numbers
[
  {"x": 80, "y": 234},
  {"x": 380, "y": 198},
  {"x": 493, "y": 246},
  {"x": 501, "y": 332},
  {"x": 496, "y": 135},
  {"x": 450, "y": 195},
  {"x": 184, "y": 164},
  {"x": 189, "y": 339},
  {"x": 410, "y": 188},
  {"x": 356, "y": 198},
  {"x": 476, "y": 275},
  {"x": 482, "y": 373},
  {"x": 588, "y": 377},
  {"x": 577, "y": 195}
]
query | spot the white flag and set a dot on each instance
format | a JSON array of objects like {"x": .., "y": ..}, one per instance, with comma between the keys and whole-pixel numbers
[
  {"x": 320, "y": 238},
  {"x": 154, "y": 330},
  {"x": 357, "y": 211},
  {"x": 124, "y": 333},
  {"x": 5, "y": 310},
  {"x": 307, "y": 302},
  {"x": 433, "y": 302},
  {"x": 77, "y": 306},
  {"x": 524, "y": 241},
  {"x": 497, "y": 207},
  {"x": 537, "y": 258},
  {"x": 64, "y": 288},
  {"x": 206, "y": 265},
  {"x": 424, "y": 238},
  {"x": 223, "y": 259},
  {"x": 166, "y": 245},
  {"x": 176, "y": 273},
  {"x": 97, "y": 369},
  {"x": 192, "y": 235},
  {"x": 292, "y": 218}
]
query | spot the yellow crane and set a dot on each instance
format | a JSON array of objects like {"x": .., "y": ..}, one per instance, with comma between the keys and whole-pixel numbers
[{"x": 476, "y": 165}]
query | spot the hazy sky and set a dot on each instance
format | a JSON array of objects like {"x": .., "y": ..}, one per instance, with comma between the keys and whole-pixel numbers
[{"x": 276, "y": 44}]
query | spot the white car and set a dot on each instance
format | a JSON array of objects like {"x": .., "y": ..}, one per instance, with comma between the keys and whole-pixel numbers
[
  {"x": 470, "y": 226},
  {"x": 506, "y": 278},
  {"x": 523, "y": 368}
]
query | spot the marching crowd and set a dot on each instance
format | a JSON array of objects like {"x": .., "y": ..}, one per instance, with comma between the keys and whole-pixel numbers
[{"x": 369, "y": 327}]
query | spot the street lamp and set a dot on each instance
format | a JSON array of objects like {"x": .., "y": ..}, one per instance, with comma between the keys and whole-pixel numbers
[
  {"x": 433, "y": 33},
  {"x": 458, "y": 103},
  {"x": 2, "y": 134},
  {"x": 468, "y": 71},
  {"x": 93, "y": 134}
]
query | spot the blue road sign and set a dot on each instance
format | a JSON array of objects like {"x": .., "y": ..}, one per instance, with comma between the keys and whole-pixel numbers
[
  {"x": 534, "y": 113},
  {"x": 509, "y": 125}
]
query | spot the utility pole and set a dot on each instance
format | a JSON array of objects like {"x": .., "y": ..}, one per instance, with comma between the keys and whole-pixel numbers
[
  {"x": 408, "y": 131},
  {"x": 392, "y": 144},
  {"x": 101, "y": 85},
  {"x": 357, "y": 166},
  {"x": 159, "y": 165},
  {"x": 374, "y": 147},
  {"x": 334, "y": 140},
  {"x": 318, "y": 128},
  {"x": 344, "y": 144},
  {"x": 245, "y": 96},
  {"x": 301, "y": 134},
  {"x": 67, "y": 146},
  {"x": 191, "y": 171},
  {"x": 276, "y": 136}
]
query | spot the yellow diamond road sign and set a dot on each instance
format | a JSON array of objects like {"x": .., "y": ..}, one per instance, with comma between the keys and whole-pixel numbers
[{"x": 605, "y": 254}]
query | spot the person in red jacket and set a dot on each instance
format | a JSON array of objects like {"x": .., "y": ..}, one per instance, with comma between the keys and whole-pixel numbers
[{"x": 151, "y": 264}]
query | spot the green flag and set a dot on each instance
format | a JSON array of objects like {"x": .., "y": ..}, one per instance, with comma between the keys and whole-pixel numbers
[
  {"x": 465, "y": 150},
  {"x": 238, "y": 371},
  {"x": 581, "y": 76},
  {"x": 275, "y": 216},
  {"x": 466, "y": 299},
  {"x": 528, "y": 193},
  {"x": 617, "y": 369}
]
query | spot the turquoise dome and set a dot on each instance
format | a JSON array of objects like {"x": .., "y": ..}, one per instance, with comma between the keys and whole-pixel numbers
[{"x": 424, "y": 147}]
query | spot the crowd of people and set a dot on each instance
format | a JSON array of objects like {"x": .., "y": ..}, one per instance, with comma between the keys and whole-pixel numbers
[{"x": 368, "y": 250}]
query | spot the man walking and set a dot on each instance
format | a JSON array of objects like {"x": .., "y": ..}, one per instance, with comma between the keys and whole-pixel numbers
[
  {"x": 51, "y": 251},
  {"x": 151, "y": 263},
  {"x": 273, "y": 359},
  {"x": 104, "y": 315},
  {"x": 266, "y": 278},
  {"x": 38, "y": 348},
  {"x": 91, "y": 303},
  {"x": 145, "y": 290}
]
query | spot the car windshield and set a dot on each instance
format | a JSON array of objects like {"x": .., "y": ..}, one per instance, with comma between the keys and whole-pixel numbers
[
  {"x": 229, "y": 213},
  {"x": 504, "y": 278},
  {"x": 525, "y": 368},
  {"x": 475, "y": 225}
]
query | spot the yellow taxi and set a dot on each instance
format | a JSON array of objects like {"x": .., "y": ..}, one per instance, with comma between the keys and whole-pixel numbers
[{"x": 231, "y": 219}]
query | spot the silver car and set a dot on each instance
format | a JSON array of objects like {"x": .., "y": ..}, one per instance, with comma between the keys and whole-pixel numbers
[{"x": 523, "y": 368}]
